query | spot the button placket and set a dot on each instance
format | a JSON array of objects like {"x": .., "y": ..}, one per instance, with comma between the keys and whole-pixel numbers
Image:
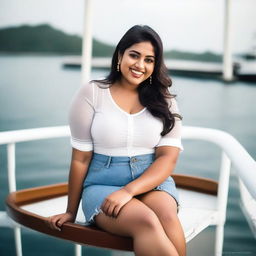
[
  {"x": 130, "y": 144},
  {"x": 130, "y": 135}
]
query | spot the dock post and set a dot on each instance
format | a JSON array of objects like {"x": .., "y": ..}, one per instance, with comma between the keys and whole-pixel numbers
[
  {"x": 87, "y": 42},
  {"x": 227, "y": 57},
  {"x": 86, "y": 63}
]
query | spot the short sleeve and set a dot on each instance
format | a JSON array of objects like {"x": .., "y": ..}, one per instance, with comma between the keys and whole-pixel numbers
[
  {"x": 173, "y": 138},
  {"x": 81, "y": 116}
]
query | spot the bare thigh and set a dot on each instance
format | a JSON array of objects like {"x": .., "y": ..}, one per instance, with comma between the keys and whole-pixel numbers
[
  {"x": 165, "y": 207},
  {"x": 132, "y": 216},
  {"x": 163, "y": 204}
]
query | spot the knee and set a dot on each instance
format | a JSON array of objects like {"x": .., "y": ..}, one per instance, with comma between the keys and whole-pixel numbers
[
  {"x": 148, "y": 220},
  {"x": 168, "y": 217}
]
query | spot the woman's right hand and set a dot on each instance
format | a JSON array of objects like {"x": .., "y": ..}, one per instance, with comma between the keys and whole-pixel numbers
[{"x": 56, "y": 221}]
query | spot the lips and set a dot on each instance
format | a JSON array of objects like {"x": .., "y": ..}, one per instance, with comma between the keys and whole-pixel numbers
[{"x": 136, "y": 73}]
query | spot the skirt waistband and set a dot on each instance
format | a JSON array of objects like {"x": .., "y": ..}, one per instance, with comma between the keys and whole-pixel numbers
[{"x": 123, "y": 159}]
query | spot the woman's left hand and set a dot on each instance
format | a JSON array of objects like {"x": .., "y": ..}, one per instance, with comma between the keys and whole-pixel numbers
[{"x": 115, "y": 201}]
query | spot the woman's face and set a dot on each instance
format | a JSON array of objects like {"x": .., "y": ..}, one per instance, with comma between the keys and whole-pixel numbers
[{"x": 137, "y": 63}]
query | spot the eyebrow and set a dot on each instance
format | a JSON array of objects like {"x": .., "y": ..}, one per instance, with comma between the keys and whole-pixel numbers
[{"x": 140, "y": 54}]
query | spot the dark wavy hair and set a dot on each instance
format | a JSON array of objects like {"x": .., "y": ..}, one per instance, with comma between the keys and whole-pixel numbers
[{"x": 152, "y": 96}]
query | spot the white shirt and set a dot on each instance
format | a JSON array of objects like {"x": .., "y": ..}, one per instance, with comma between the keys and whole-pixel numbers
[{"x": 97, "y": 123}]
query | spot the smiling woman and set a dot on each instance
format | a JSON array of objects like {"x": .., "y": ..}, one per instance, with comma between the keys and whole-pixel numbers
[
  {"x": 126, "y": 139},
  {"x": 137, "y": 63}
]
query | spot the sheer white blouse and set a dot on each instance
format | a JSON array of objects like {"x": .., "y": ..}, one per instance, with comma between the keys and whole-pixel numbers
[{"x": 97, "y": 123}]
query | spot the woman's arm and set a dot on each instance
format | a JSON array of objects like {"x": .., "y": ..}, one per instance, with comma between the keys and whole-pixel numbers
[
  {"x": 166, "y": 152},
  {"x": 81, "y": 115},
  {"x": 159, "y": 170},
  {"x": 78, "y": 169}
]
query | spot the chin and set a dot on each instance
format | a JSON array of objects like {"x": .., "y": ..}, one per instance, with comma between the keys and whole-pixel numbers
[{"x": 136, "y": 81}]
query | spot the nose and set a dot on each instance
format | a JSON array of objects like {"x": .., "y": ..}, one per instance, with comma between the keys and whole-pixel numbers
[{"x": 139, "y": 64}]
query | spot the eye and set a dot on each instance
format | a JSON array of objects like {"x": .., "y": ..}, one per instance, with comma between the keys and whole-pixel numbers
[
  {"x": 133, "y": 55},
  {"x": 149, "y": 60}
]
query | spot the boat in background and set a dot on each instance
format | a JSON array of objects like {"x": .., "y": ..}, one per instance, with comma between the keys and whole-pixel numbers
[{"x": 243, "y": 70}]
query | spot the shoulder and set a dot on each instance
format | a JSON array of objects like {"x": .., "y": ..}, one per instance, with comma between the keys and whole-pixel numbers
[
  {"x": 99, "y": 84},
  {"x": 173, "y": 104},
  {"x": 84, "y": 92},
  {"x": 88, "y": 91},
  {"x": 89, "y": 88}
]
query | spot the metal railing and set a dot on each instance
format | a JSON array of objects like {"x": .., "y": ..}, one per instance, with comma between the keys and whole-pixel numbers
[
  {"x": 11, "y": 138},
  {"x": 232, "y": 152}
]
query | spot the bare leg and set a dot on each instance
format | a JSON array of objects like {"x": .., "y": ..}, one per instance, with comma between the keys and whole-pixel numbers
[
  {"x": 165, "y": 207},
  {"x": 140, "y": 222}
]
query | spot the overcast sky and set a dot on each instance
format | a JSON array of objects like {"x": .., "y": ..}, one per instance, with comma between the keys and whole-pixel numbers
[{"x": 189, "y": 25}]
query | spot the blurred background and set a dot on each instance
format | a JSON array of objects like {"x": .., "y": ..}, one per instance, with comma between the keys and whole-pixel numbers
[{"x": 40, "y": 50}]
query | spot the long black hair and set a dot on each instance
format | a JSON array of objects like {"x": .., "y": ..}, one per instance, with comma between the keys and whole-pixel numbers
[{"x": 152, "y": 95}]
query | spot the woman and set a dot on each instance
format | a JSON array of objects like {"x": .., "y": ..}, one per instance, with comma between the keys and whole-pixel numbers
[{"x": 125, "y": 134}]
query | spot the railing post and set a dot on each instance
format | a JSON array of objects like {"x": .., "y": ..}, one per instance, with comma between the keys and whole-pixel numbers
[
  {"x": 78, "y": 250},
  {"x": 12, "y": 188},
  {"x": 248, "y": 206},
  {"x": 11, "y": 167},
  {"x": 222, "y": 202},
  {"x": 227, "y": 57},
  {"x": 87, "y": 42}
]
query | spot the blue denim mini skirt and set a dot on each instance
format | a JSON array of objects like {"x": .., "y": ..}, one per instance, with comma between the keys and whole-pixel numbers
[{"x": 107, "y": 174}]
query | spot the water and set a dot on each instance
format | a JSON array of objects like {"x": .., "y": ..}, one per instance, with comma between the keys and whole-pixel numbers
[{"x": 35, "y": 92}]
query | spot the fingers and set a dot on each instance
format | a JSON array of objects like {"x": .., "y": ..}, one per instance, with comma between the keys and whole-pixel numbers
[
  {"x": 60, "y": 223},
  {"x": 104, "y": 207},
  {"x": 117, "y": 210},
  {"x": 111, "y": 209},
  {"x": 53, "y": 222},
  {"x": 114, "y": 202}
]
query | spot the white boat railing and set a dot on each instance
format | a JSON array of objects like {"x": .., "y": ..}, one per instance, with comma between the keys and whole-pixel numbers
[
  {"x": 232, "y": 152},
  {"x": 244, "y": 164},
  {"x": 11, "y": 138}
]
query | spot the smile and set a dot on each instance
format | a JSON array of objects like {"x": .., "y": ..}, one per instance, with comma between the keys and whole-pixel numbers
[{"x": 136, "y": 72}]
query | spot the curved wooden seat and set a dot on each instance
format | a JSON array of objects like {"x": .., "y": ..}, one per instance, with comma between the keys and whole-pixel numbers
[{"x": 31, "y": 207}]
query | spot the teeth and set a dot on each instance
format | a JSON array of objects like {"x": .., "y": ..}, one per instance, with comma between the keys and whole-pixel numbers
[{"x": 137, "y": 72}]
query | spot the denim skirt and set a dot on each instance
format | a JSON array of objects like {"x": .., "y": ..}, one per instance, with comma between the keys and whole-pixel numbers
[{"x": 107, "y": 174}]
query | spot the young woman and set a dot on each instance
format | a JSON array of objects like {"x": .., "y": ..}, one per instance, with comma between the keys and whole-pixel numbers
[{"x": 126, "y": 139}]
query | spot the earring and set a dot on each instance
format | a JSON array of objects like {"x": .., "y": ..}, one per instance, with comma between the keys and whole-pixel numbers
[
  {"x": 150, "y": 79},
  {"x": 118, "y": 67}
]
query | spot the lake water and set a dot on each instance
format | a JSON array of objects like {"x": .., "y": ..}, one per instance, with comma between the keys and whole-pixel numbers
[{"x": 35, "y": 91}]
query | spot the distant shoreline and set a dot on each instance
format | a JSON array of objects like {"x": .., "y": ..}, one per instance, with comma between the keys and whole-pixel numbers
[
  {"x": 3, "y": 53},
  {"x": 46, "y": 40}
]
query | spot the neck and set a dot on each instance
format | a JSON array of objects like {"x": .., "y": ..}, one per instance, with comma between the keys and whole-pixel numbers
[{"x": 126, "y": 85}]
